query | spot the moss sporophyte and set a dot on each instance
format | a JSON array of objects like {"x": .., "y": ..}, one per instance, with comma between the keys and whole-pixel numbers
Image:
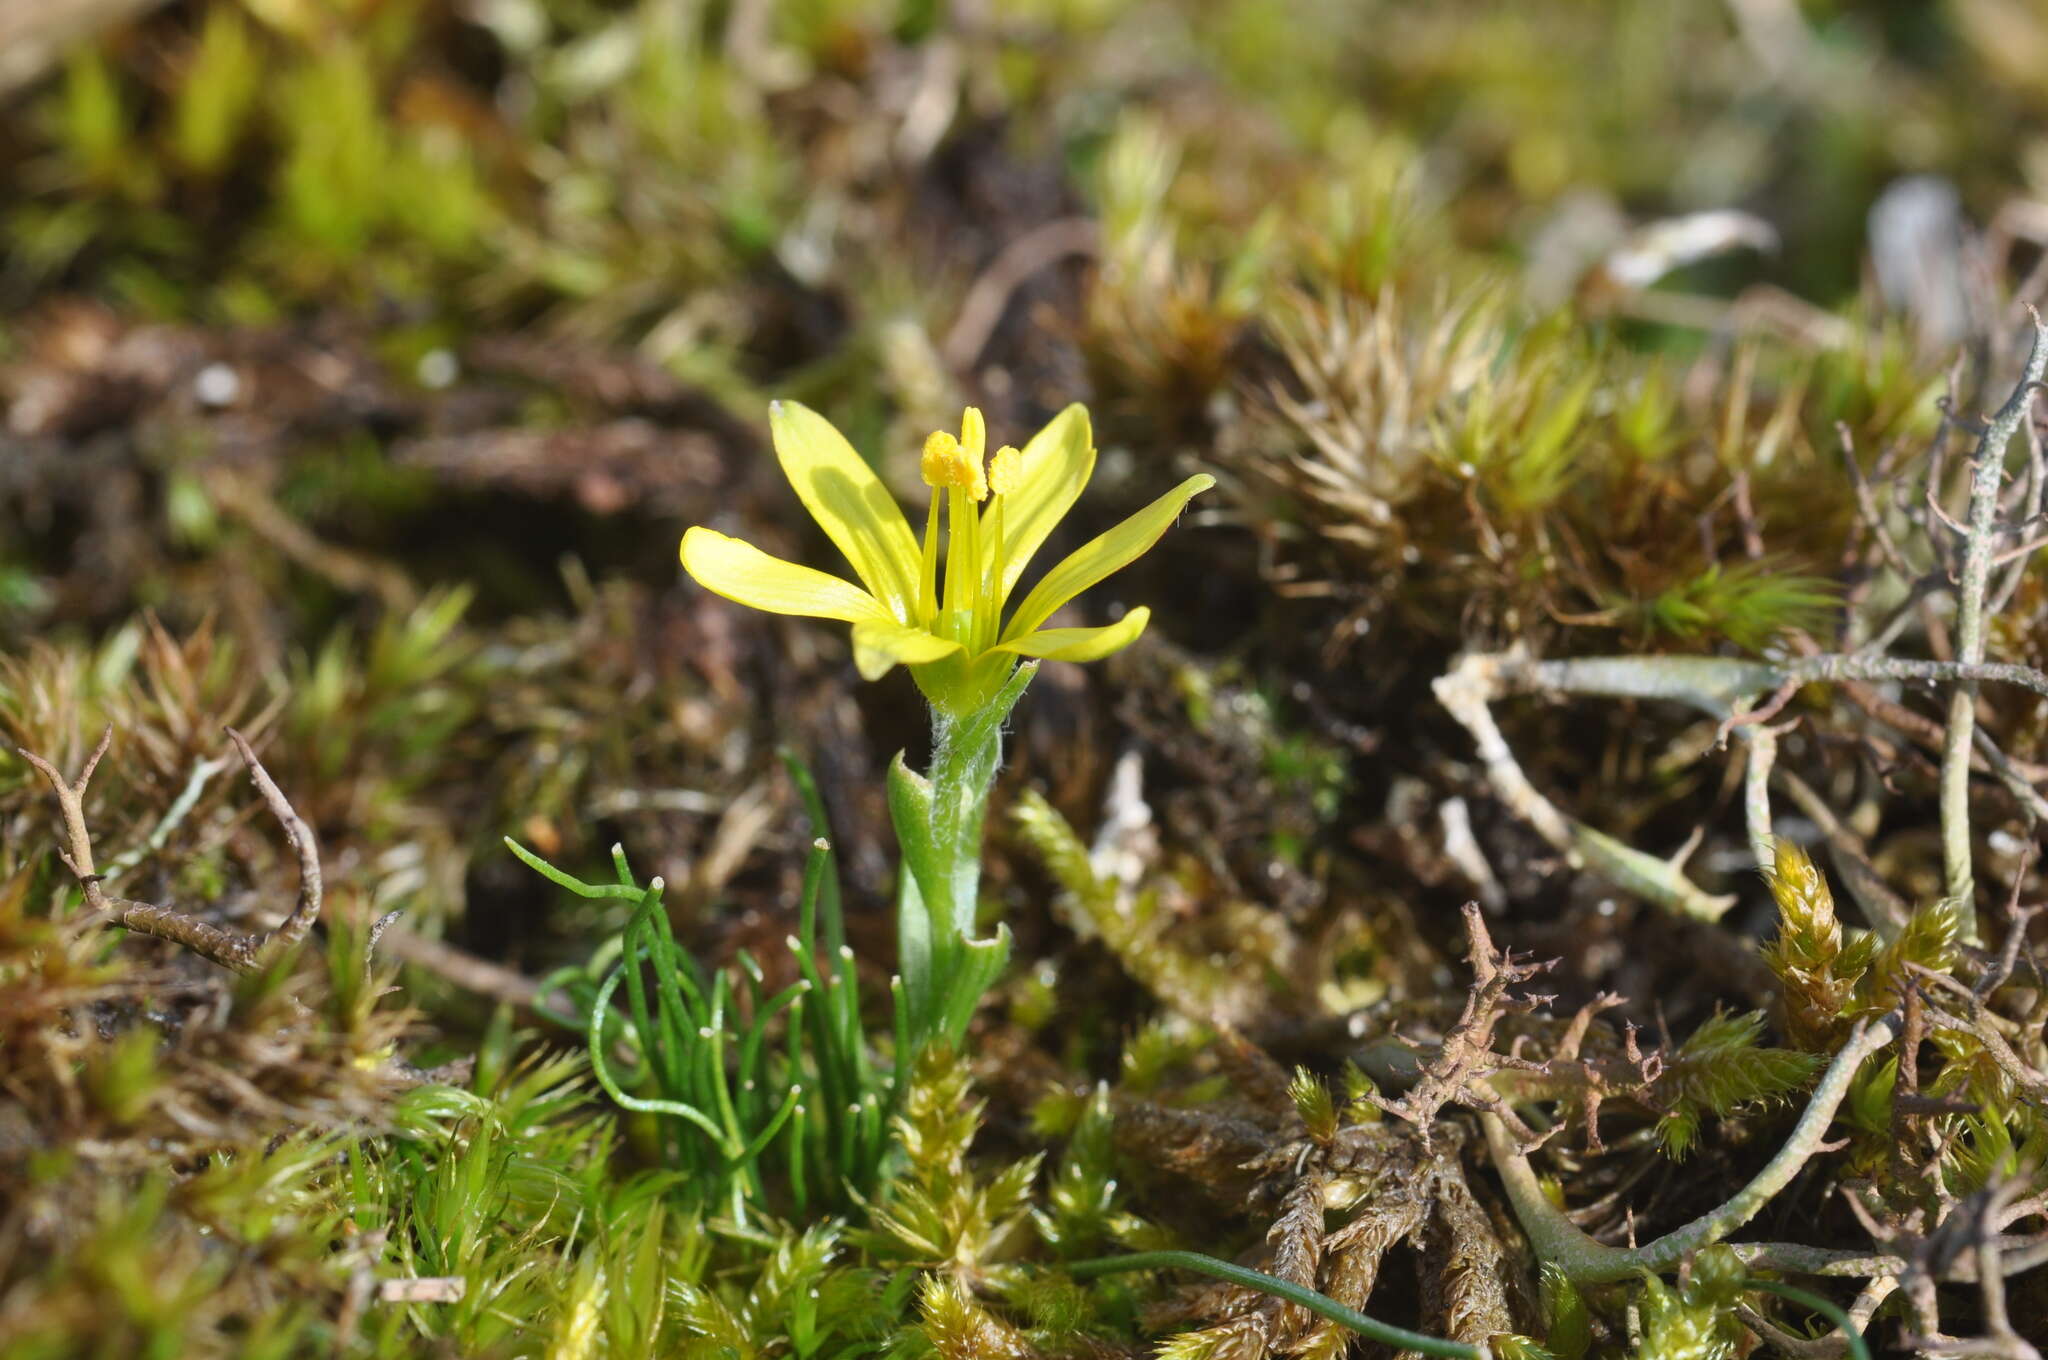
[{"x": 948, "y": 629}]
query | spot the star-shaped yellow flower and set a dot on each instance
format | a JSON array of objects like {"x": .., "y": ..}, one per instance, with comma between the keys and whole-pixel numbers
[{"x": 949, "y": 631}]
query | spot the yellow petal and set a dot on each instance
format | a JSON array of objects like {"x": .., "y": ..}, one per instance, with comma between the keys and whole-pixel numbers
[
  {"x": 1081, "y": 644},
  {"x": 879, "y": 644},
  {"x": 1050, "y": 473},
  {"x": 1099, "y": 557},
  {"x": 849, "y": 502},
  {"x": 743, "y": 573}
]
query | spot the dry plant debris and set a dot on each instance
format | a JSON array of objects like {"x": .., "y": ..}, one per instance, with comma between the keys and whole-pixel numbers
[
  {"x": 1583, "y": 542},
  {"x": 239, "y": 952}
]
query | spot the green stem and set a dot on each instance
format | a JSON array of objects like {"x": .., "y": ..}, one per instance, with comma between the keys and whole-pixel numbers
[
  {"x": 938, "y": 818},
  {"x": 1859, "y": 1349},
  {"x": 1322, "y": 1305},
  {"x": 965, "y": 755},
  {"x": 1557, "y": 1239},
  {"x": 751, "y": 1153}
]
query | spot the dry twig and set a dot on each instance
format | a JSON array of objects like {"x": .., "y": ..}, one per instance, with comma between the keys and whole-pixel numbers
[
  {"x": 1456, "y": 1076},
  {"x": 1980, "y": 541},
  {"x": 230, "y": 949},
  {"x": 1557, "y": 1239}
]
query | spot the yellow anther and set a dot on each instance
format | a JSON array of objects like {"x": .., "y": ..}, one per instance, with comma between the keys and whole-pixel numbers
[
  {"x": 1006, "y": 470},
  {"x": 940, "y": 452},
  {"x": 946, "y": 463},
  {"x": 974, "y": 433}
]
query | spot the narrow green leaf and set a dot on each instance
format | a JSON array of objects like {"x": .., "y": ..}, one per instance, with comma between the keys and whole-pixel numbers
[{"x": 564, "y": 880}]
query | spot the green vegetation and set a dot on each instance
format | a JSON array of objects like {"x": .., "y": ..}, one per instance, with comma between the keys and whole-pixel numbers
[{"x": 1576, "y": 459}]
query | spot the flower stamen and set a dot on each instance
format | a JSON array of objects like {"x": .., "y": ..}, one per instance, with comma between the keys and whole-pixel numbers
[
  {"x": 928, "y": 576},
  {"x": 1006, "y": 470},
  {"x": 961, "y": 557},
  {"x": 1005, "y": 474},
  {"x": 954, "y": 464}
]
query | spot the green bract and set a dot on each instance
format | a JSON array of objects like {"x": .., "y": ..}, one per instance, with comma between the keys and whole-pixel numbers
[{"x": 953, "y": 638}]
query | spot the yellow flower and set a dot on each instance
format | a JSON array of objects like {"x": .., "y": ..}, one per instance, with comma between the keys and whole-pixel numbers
[{"x": 949, "y": 630}]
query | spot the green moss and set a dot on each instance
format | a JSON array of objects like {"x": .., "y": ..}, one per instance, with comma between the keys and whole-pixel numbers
[{"x": 1320, "y": 266}]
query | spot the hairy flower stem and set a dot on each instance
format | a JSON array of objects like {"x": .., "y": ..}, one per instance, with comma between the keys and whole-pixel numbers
[
  {"x": 1560, "y": 1241},
  {"x": 1322, "y": 1305},
  {"x": 943, "y": 969},
  {"x": 1979, "y": 542}
]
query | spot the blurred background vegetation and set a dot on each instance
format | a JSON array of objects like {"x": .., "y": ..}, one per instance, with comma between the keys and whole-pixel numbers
[{"x": 363, "y": 361}]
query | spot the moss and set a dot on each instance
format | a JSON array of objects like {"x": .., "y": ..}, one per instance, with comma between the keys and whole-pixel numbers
[{"x": 359, "y": 375}]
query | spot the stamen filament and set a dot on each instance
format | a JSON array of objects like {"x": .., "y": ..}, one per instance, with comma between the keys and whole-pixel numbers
[
  {"x": 928, "y": 580},
  {"x": 973, "y": 565},
  {"x": 988, "y": 606},
  {"x": 960, "y": 564}
]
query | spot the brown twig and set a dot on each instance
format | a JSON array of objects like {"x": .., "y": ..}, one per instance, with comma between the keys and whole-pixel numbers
[
  {"x": 1018, "y": 261},
  {"x": 350, "y": 571},
  {"x": 464, "y": 969},
  {"x": 234, "y": 950},
  {"x": 1872, "y": 516},
  {"x": 1760, "y": 714},
  {"x": 2017, "y": 920},
  {"x": 1457, "y": 1075},
  {"x": 1974, "y": 1234},
  {"x": 1924, "y": 730}
]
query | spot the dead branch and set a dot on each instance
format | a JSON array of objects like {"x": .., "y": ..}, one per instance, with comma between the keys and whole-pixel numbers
[
  {"x": 1557, "y": 1239},
  {"x": 243, "y": 953},
  {"x": 1720, "y": 687},
  {"x": 983, "y": 308},
  {"x": 1457, "y": 1074},
  {"x": 1980, "y": 541},
  {"x": 2028, "y": 1079},
  {"x": 1971, "y": 1230}
]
